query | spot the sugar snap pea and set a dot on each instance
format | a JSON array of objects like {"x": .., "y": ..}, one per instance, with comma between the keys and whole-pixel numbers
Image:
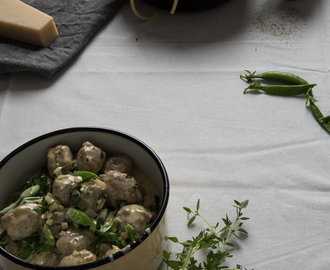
[
  {"x": 31, "y": 191},
  {"x": 132, "y": 233},
  {"x": 109, "y": 236},
  {"x": 79, "y": 217},
  {"x": 108, "y": 224},
  {"x": 101, "y": 217},
  {"x": 326, "y": 119},
  {"x": 49, "y": 242},
  {"x": 283, "y": 90},
  {"x": 274, "y": 75},
  {"x": 317, "y": 113},
  {"x": 26, "y": 252}
]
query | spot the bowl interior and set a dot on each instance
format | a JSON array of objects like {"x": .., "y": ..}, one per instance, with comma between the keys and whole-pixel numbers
[{"x": 28, "y": 159}]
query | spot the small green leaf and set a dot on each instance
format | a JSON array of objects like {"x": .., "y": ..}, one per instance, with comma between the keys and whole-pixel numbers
[
  {"x": 237, "y": 202},
  {"x": 175, "y": 265},
  {"x": 191, "y": 221},
  {"x": 242, "y": 230},
  {"x": 173, "y": 239},
  {"x": 229, "y": 244},
  {"x": 197, "y": 206},
  {"x": 166, "y": 255},
  {"x": 187, "y": 210},
  {"x": 244, "y": 218},
  {"x": 244, "y": 204}
]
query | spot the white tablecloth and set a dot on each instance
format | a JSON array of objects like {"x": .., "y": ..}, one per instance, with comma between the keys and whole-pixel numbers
[{"x": 174, "y": 83}]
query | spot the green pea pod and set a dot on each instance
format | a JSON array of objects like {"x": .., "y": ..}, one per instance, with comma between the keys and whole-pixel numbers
[
  {"x": 11, "y": 206},
  {"x": 108, "y": 236},
  {"x": 49, "y": 243},
  {"x": 99, "y": 241},
  {"x": 26, "y": 253},
  {"x": 86, "y": 175},
  {"x": 79, "y": 217},
  {"x": 319, "y": 116},
  {"x": 132, "y": 233},
  {"x": 108, "y": 224},
  {"x": 36, "y": 199},
  {"x": 101, "y": 217},
  {"x": 274, "y": 75},
  {"x": 103, "y": 214},
  {"x": 31, "y": 191},
  {"x": 283, "y": 90},
  {"x": 326, "y": 119}
]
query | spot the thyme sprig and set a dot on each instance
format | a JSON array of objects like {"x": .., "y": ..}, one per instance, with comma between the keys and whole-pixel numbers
[{"x": 212, "y": 240}]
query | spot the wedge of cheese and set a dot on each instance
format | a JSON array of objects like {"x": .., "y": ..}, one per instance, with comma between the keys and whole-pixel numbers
[{"x": 24, "y": 23}]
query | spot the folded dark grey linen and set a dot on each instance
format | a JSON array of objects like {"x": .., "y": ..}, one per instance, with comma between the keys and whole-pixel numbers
[{"x": 76, "y": 21}]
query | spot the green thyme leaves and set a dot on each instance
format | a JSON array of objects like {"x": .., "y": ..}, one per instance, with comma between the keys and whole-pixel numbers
[{"x": 213, "y": 240}]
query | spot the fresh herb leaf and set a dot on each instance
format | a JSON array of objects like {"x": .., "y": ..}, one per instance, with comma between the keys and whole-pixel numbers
[{"x": 211, "y": 240}]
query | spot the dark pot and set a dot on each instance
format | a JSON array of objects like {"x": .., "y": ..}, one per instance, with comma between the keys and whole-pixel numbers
[{"x": 186, "y": 5}]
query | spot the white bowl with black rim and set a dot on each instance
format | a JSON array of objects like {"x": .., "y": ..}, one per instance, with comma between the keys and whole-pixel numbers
[{"x": 146, "y": 253}]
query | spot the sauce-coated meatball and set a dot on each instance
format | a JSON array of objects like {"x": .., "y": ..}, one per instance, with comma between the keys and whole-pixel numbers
[
  {"x": 90, "y": 158},
  {"x": 118, "y": 162},
  {"x": 78, "y": 257},
  {"x": 135, "y": 215},
  {"x": 121, "y": 186},
  {"x": 22, "y": 221},
  {"x": 74, "y": 239},
  {"x": 57, "y": 157}
]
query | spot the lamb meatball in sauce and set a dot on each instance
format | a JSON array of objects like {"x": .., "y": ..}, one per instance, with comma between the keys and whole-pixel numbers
[
  {"x": 82, "y": 211},
  {"x": 63, "y": 187},
  {"x": 58, "y": 157},
  {"x": 78, "y": 257},
  {"x": 90, "y": 158},
  {"x": 22, "y": 221},
  {"x": 119, "y": 162},
  {"x": 135, "y": 215},
  {"x": 121, "y": 187},
  {"x": 75, "y": 239}
]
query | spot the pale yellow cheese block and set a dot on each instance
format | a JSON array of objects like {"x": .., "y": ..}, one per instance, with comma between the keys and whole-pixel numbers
[{"x": 24, "y": 23}]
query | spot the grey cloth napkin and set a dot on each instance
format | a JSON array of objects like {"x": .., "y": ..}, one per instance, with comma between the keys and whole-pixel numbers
[{"x": 76, "y": 21}]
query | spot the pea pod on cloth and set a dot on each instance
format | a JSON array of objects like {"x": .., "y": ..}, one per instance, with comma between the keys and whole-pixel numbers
[
  {"x": 283, "y": 90},
  {"x": 274, "y": 75},
  {"x": 317, "y": 113}
]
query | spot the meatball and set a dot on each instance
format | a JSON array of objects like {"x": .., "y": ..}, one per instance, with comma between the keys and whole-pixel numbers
[
  {"x": 88, "y": 200},
  {"x": 58, "y": 157},
  {"x": 75, "y": 239},
  {"x": 22, "y": 221},
  {"x": 118, "y": 162},
  {"x": 121, "y": 187},
  {"x": 45, "y": 258},
  {"x": 63, "y": 186},
  {"x": 90, "y": 158},
  {"x": 78, "y": 257},
  {"x": 135, "y": 215}
]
